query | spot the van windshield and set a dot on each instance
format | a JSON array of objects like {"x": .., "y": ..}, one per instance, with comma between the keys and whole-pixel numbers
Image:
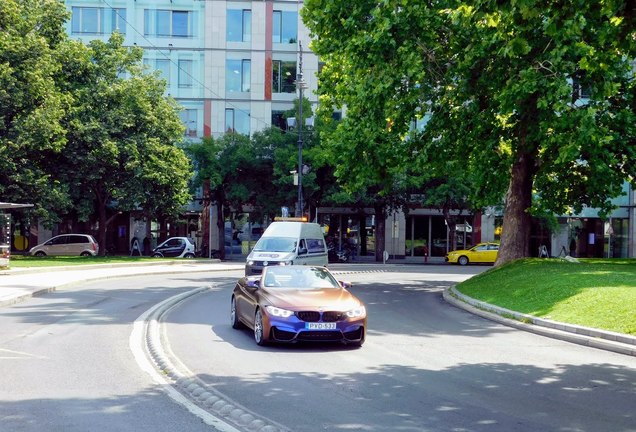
[{"x": 276, "y": 244}]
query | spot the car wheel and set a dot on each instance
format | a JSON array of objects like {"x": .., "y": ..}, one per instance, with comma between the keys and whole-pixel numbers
[
  {"x": 157, "y": 255},
  {"x": 258, "y": 328},
  {"x": 85, "y": 254},
  {"x": 39, "y": 254},
  {"x": 463, "y": 260},
  {"x": 189, "y": 255},
  {"x": 236, "y": 324}
]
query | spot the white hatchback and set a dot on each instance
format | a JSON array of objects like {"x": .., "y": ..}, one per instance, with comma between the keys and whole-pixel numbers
[{"x": 67, "y": 244}]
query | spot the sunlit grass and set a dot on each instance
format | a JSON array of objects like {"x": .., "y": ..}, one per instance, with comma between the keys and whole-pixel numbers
[
  {"x": 598, "y": 293},
  {"x": 19, "y": 261}
]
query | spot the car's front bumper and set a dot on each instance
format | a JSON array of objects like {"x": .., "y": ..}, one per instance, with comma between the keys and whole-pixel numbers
[{"x": 293, "y": 329}]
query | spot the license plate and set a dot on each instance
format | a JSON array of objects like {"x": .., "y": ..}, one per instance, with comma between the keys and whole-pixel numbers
[{"x": 320, "y": 326}]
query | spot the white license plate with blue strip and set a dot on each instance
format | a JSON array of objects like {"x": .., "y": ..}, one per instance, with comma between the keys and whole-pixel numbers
[{"x": 320, "y": 326}]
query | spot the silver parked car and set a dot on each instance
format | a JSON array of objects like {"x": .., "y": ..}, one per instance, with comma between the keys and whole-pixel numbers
[{"x": 67, "y": 244}]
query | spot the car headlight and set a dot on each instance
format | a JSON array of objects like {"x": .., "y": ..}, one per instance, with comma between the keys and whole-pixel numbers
[
  {"x": 285, "y": 263},
  {"x": 357, "y": 312},
  {"x": 278, "y": 312},
  {"x": 250, "y": 263}
]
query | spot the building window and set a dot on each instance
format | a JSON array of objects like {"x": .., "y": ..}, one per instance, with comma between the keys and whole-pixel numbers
[
  {"x": 239, "y": 25},
  {"x": 168, "y": 23},
  {"x": 118, "y": 20},
  {"x": 237, "y": 75},
  {"x": 278, "y": 120},
  {"x": 285, "y": 27},
  {"x": 163, "y": 66},
  {"x": 580, "y": 90},
  {"x": 87, "y": 20},
  {"x": 185, "y": 74},
  {"x": 189, "y": 118},
  {"x": 283, "y": 76},
  {"x": 237, "y": 120}
]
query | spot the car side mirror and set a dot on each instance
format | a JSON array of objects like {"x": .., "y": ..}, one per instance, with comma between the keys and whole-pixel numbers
[
  {"x": 345, "y": 284},
  {"x": 253, "y": 283},
  {"x": 302, "y": 251}
]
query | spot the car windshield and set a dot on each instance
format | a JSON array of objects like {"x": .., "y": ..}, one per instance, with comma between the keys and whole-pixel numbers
[
  {"x": 276, "y": 244},
  {"x": 299, "y": 277}
]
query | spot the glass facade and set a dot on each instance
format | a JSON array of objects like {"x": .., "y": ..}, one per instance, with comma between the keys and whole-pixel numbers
[
  {"x": 190, "y": 118},
  {"x": 237, "y": 75},
  {"x": 174, "y": 23},
  {"x": 283, "y": 76},
  {"x": 237, "y": 121},
  {"x": 239, "y": 25},
  {"x": 87, "y": 20},
  {"x": 185, "y": 74},
  {"x": 284, "y": 27}
]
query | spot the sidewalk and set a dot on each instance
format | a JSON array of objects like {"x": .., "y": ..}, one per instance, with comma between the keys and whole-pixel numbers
[{"x": 19, "y": 284}]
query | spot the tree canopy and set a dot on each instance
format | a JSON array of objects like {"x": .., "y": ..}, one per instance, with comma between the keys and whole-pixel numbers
[
  {"x": 532, "y": 102},
  {"x": 32, "y": 105},
  {"x": 84, "y": 131}
]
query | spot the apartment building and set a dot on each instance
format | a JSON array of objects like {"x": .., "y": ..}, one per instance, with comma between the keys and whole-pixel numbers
[{"x": 231, "y": 64}]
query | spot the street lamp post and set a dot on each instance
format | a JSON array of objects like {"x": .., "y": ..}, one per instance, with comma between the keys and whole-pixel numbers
[{"x": 301, "y": 85}]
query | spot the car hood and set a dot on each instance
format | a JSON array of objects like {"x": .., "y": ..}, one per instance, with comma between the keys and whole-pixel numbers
[
  {"x": 299, "y": 299},
  {"x": 459, "y": 251}
]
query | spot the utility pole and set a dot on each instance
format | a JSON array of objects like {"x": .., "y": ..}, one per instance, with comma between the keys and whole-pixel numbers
[{"x": 300, "y": 84}]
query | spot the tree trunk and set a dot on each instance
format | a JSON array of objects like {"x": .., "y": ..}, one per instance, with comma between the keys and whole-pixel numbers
[
  {"x": 515, "y": 235},
  {"x": 380, "y": 231},
  {"x": 220, "y": 223},
  {"x": 103, "y": 222},
  {"x": 102, "y": 229}
]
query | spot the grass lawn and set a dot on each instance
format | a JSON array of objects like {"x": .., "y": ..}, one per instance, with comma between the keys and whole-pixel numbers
[
  {"x": 19, "y": 261},
  {"x": 597, "y": 293}
]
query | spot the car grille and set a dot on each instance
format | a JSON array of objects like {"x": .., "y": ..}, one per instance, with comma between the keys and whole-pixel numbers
[
  {"x": 314, "y": 316},
  {"x": 320, "y": 335}
]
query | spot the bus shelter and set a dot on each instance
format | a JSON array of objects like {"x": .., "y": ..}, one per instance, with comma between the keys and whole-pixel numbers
[{"x": 5, "y": 230}]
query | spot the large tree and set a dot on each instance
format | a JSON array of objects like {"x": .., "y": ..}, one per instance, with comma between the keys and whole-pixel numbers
[
  {"x": 502, "y": 83},
  {"x": 123, "y": 134},
  {"x": 231, "y": 174},
  {"x": 31, "y": 103}
]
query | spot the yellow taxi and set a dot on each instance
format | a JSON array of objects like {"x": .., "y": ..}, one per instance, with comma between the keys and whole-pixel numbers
[{"x": 480, "y": 253}]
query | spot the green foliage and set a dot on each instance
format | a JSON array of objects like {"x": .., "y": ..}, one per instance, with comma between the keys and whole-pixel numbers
[
  {"x": 495, "y": 83},
  {"x": 81, "y": 128},
  {"x": 122, "y": 134},
  {"x": 31, "y": 104}
]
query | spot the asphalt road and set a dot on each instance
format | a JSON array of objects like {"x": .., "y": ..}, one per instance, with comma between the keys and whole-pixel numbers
[
  {"x": 66, "y": 365},
  {"x": 426, "y": 366}
]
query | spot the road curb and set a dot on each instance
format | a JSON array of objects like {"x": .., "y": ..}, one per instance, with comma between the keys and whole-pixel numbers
[
  {"x": 609, "y": 341},
  {"x": 180, "y": 384}
]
